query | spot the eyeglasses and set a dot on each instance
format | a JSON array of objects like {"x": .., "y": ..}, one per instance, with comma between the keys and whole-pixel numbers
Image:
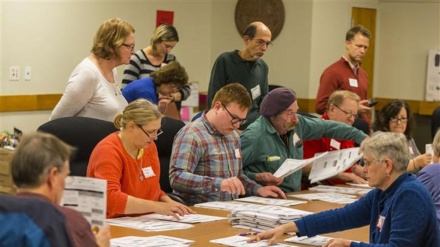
[
  {"x": 130, "y": 47},
  {"x": 348, "y": 114},
  {"x": 234, "y": 119},
  {"x": 261, "y": 42},
  {"x": 151, "y": 135},
  {"x": 400, "y": 119},
  {"x": 367, "y": 163}
]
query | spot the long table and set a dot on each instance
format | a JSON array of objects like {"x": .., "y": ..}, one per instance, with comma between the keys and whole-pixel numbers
[{"x": 202, "y": 233}]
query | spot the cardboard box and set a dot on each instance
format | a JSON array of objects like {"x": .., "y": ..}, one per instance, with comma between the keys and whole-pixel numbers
[{"x": 6, "y": 183}]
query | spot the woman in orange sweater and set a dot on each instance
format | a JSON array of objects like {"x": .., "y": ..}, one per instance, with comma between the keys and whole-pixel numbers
[{"x": 129, "y": 161}]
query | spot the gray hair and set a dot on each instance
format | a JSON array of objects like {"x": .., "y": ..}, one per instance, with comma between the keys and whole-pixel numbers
[
  {"x": 388, "y": 145},
  {"x": 35, "y": 155},
  {"x": 436, "y": 144}
]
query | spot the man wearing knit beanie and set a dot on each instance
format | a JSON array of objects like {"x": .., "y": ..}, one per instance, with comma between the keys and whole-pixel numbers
[{"x": 277, "y": 135}]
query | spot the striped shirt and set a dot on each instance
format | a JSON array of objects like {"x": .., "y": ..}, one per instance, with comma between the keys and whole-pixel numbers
[
  {"x": 201, "y": 159},
  {"x": 140, "y": 67}
]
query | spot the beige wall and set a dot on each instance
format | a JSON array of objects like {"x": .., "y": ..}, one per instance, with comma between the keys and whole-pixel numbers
[{"x": 53, "y": 36}]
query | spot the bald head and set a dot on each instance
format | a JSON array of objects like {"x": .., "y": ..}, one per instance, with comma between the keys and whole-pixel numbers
[
  {"x": 257, "y": 38},
  {"x": 256, "y": 27}
]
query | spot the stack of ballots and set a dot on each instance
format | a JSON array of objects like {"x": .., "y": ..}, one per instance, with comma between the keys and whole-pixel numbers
[{"x": 264, "y": 219}]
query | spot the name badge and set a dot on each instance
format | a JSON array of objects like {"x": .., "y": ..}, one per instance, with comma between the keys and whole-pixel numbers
[
  {"x": 380, "y": 222},
  {"x": 411, "y": 151},
  {"x": 353, "y": 82},
  {"x": 148, "y": 172},
  {"x": 237, "y": 153},
  {"x": 296, "y": 139},
  {"x": 256, "y": 92},
  {"x": 335, "y": 144}
]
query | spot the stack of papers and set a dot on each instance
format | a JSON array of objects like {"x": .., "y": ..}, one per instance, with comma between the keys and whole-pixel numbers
[
  {"x": 155, "y": 241},
  {"x": 158, "y": 222},
  {"x": 270, "y": 201},
  {"x": 327, "y": 197},
  {"x": 344, "y": 190},
  {"x": 264, "y": 219}
]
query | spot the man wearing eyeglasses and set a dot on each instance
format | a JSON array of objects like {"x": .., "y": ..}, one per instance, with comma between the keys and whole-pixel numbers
[
  {"x": 206, "y": 161},
  {"x": 278, "y": 134},
  {"x": 342, "y": 107},
  {"x": 246, "y": 67}
]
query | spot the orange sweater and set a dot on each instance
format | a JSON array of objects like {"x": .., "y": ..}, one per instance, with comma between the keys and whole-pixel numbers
[{"x": 111, "y": 162}]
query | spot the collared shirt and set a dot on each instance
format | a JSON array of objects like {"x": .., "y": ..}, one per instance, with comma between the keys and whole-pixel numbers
[
  {"x": 201, "y": 159},
  {"x": 354, "y": 67}
]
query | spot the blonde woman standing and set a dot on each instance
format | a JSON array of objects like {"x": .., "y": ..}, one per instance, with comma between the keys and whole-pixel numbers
[{"x": 92, "y": 90}]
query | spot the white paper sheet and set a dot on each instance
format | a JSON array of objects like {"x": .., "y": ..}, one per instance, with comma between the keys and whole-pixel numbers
[
  {"x": 88, "y": 196},
  {"x": 333, "y": 163},
  {"x": 270, "y": 201},
  {"x": 290, "y": 166},
  {"x": 338, "y": 189},
  {"x": 148, "y": 225},
  {"x": 239, "y": 241},
  {"x": 154, "y": 241},
  {"x": 327, "y": 197}
]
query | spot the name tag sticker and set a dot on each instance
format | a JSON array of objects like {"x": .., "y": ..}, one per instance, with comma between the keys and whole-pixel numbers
[
  {"x": 353, "y": 82},
  {"x": 237, "y": 153},
  {"x": 148, "y": 172},
  {"x": 335, "y": 144},
  {"x": 256, "y": 92}
]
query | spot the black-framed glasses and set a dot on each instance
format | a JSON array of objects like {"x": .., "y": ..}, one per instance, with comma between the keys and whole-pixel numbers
[
  {"x": 151, "y": 136},
  {"x": 347, "y": 114},
  {"x": 399, "y": 119},
  {"x": 130, "y": 47},
  {"x": 234, "y": 119}
]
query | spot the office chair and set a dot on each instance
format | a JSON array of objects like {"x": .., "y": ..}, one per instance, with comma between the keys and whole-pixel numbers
[
  {"x": 81, "y": 132},
  {"x": 164, "y": 144}
]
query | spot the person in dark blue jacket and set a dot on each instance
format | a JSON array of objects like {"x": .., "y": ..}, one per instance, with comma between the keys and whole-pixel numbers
[{"x": 400, "y": 210}]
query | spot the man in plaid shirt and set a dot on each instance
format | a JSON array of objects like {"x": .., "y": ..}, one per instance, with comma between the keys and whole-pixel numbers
[{"x": 206, "y": 162}]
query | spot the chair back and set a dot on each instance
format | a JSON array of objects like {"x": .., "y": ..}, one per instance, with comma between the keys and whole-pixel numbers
[
  {"x": 81, "y": 132},
  {"x": 164, "y": 144}
]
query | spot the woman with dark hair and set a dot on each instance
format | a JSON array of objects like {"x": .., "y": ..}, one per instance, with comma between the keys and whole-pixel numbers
[{"x": 396, "y": 116}]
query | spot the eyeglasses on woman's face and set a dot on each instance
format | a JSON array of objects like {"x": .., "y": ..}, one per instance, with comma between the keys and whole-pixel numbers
[
  {"x": 399, "y": 120},
  {"x": 129, "y": 47},
  {"x": 151, "y": 134}
]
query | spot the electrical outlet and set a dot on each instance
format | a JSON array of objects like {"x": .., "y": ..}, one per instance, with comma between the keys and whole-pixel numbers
[
  {"x": 14, "y": 73},
  {"x": 27, "y": 73}
]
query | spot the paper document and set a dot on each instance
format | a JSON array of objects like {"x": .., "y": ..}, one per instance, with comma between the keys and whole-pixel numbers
[
  {"x": 148, "y": 224},
  {"x": 290, "y": 166},
  {"x": 339, "y": 189},
  {"x": 242, "y": 241},
  {"x": 154, "y": 241},
  {"x": 88, "y": 196},
  {"x": 270, "y": 201},
  {"x": 314, "y": 241},
  {"x": 333, "y": 163},
  {"x": 327, "y": 197}
]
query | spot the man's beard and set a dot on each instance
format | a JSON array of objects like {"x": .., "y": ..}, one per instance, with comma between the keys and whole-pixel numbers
[{"x": 291, "y": 125}]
